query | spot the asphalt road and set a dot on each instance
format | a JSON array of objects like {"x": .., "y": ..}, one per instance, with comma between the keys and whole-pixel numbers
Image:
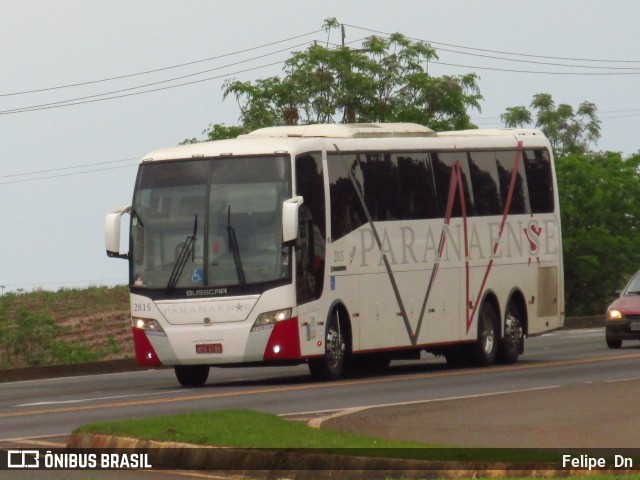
[{"x": 567, "y": 390}]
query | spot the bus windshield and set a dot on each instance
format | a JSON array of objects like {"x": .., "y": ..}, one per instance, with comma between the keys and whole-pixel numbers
[{"x": 210, "y": 223}]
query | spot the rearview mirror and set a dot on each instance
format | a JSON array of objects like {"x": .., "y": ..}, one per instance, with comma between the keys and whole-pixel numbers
[
  {"x": 290, "y": 218},
  {"x": 112, "y": 232}
]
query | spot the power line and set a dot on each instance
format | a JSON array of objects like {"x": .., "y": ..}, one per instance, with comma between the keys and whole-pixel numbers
[
  {"x": 43, "y": 107},
  {"x": 610, "y": 70},
  {"x": 119, "y": 77},
  {"x": 501, "y": 51},
  {"x": 120, "y": 93},
  {"x": 510, "y": 70},
  {"x": 25, "y": 180},
  {"x": 37, "y": 172},
  {"x": 113, "y": 94},
  {"x": 494, "y": 57}
]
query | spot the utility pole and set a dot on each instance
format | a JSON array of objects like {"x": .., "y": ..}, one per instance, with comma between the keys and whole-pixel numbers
[{"x": 350, "y": 112}]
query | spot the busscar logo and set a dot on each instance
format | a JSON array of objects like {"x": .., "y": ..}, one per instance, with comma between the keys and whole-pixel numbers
[
  {"x": 206, "y": 292},
  {"x": 23, "y": 459}
]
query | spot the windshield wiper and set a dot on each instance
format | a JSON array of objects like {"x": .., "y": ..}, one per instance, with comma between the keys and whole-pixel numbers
[
  {"x": 183, "y": 256},
  {"x": 635, "y": 292},
  {"x": 136, "y": 215},
  {"x": 235, "y": 250}
]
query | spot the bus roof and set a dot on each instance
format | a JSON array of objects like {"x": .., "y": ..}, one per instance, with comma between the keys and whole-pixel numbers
[
  {"x": 298, "y": 138},
  {"x": 492, "y": 132},
  {"x": 346, "y": 130}
]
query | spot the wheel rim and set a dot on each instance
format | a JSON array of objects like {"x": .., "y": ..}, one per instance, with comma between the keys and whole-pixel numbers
[
  {"x": 335, "y": 345},
  {"x": 513, "y": 329},
  {"x": 488, "y": 333}
]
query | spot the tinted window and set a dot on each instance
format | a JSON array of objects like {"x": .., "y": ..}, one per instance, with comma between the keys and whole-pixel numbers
[
  {"x": 347, "y": 213},
  {"x": 419, "y": 185},
  {"x": 538, "y": 168},
  {"x": 379, "y": 179},
  {"x": 443, "y": 164},
  {"x": 417, "y": 196},
  {"x": 393, "y": 186},
  {"x": 310, "y": 247},
  {"x": 485, "y": 181},
  {"x": 506, "y": 162}
]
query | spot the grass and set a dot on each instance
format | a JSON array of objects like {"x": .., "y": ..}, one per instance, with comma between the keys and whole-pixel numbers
[
  {"x": 256, "y": 430},
  {"x": 67, "y": 302},
  {"x": 250, "y": 429},
  {"x": 238, "y": 428},
  {"x": 64, "y": 327}
]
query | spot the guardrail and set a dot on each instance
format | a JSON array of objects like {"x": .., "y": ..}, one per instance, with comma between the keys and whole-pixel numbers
[{"x": 573, "y": 323}]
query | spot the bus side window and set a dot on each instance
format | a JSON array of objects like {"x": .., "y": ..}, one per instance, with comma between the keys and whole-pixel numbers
[
  {"x": 417, "y": 195},
  {"x": 347, "y": 214},
  {"x": 310, "y": 247},
  {"x": 484, "y": 178},
  {"x": 538, "y": 168},
  {"x": 443, "y": 164},
  {"x": 506, "y": 161}
]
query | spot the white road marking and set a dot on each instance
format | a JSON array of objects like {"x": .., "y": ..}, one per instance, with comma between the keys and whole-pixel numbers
[
  {"x": 316, "y": 422},
  {"x": 24, "y": 439},
  {"x": 579, "y": 331},
  {"x": 93, "y": 399}
]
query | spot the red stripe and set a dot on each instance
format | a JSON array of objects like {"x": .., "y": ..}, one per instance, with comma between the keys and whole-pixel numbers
[{"x": 505, "y": 214}]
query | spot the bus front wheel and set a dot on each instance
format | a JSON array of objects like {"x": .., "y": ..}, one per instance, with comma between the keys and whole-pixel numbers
[
  {"x": 192, "y": 375},
  {"x": 331, "y": 364}
]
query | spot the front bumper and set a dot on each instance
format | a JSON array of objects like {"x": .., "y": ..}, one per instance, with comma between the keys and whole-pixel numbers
[{"x": 627, "y": 328}]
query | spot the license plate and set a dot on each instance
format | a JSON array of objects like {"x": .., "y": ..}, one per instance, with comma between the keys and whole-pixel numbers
[
  {"x": 209, "y": 348},
  {"x": 634, "y": 326}
]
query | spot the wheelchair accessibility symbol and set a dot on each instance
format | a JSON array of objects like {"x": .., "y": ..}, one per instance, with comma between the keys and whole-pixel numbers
[{"x": 197, "y": 276}]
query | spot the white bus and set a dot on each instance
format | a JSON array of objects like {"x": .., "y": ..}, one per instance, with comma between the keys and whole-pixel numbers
[{"x": 342, "y": 245}]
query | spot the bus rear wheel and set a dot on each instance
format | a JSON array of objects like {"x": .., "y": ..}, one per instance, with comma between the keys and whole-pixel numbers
[
  {"x": 484, "y": 351},
  {"x": 192, "y": 375},
  {"x": 331, "y": 364},
  {"x": 512, "y": 343}
]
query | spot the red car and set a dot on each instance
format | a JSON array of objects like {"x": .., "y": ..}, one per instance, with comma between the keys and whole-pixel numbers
[{"x": 623, "y": 315}]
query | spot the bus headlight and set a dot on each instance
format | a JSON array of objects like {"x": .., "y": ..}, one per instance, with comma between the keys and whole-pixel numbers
[
  {"x": 615, "y": 314},
  {"x": 268, "y": 319},
  {"x": 149, "y": 325}
]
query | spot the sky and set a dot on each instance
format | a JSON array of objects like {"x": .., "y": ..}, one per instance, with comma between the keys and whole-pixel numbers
[{"x": 90, "y": 86}]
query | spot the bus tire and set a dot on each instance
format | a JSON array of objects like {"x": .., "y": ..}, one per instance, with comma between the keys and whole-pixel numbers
[
  {"x": 484, "y": 351},
  {"x": 192, "y": 375},
  {"x": 331, "y": 364},
  {"x": 512, "y": 343}
]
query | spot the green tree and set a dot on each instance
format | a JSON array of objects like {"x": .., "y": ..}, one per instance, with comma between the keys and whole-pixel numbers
[
  {"x": 568, "y": 130},
  {"x": 384, "y": 81},
  {"x": 218, "y": 131},
  {"x": 516, "y": 117},
  {"x": 600, "y": 226}
]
